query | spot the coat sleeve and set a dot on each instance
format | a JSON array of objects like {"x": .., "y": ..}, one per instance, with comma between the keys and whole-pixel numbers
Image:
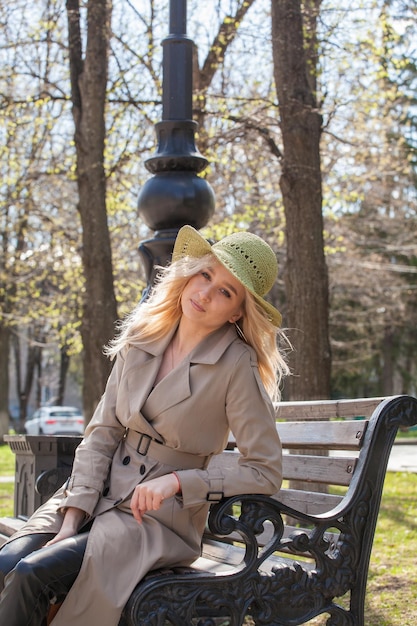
[
  {"x": 251, "y": 418},
  {"x": 94, "y": 454}
]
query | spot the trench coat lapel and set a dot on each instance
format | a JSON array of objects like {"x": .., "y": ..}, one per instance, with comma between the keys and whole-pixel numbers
[
  {"x": 172, "y": 389},
  {"x": 144, "y": 360},
  {"x": 176, "y": 387},
  {"x": 142, "y": 365}
]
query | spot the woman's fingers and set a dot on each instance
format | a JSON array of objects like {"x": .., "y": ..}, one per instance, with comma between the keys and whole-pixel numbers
[
  {"x": 59, "y": 537},
  {"x": 148, "y": 496}
]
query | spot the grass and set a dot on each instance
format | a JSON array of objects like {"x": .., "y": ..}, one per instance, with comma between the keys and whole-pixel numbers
[
  {"x": 407, "y": 434},
  {"x": 7, "y": 461},
  {"x": 7, "y": 468},
  {"x": 6, "y": 499},
  {"x": 391, "y": 596},
  {"x": 392, "y": 584}
]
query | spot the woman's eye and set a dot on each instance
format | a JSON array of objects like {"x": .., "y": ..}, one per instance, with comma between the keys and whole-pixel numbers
[
  {"x": 205, "y": 275},
  {"x": 225, "y": 292}
]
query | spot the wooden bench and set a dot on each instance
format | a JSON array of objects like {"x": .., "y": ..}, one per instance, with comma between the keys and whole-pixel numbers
[{"x": 282, "y": 560}]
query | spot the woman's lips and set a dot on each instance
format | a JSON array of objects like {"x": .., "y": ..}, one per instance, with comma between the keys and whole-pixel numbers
[{"x": 197, "y": 306}]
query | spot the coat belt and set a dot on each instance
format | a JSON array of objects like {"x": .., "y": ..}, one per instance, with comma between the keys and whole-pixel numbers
[{"x": 145, "y": 445}]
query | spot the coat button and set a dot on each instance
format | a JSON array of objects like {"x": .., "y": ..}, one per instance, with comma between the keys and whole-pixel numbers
[
  {"x": 142, "y": 469},
  {"x": 126, "y": 460}
]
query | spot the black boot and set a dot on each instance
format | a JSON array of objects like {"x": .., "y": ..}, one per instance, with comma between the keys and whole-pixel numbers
[{"x": 43, "y": 576}]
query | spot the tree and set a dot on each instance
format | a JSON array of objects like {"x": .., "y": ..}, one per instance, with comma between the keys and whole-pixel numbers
[
  {"x": 373, "y": 232},
  {"x": 203, "y": 77},
  {"x": 306, "y": 281},
  {"x": 368, "y": 192},
  {"x": 39, "y": 267},
  {"x": 88, "y": 95}
]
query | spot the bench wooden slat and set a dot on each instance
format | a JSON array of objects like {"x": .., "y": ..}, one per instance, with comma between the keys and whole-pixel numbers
[
  {"x": 308, "y": 502},
  {"x": 326, "y": 409},
  {"x": 318, "y": 469},
  {"x": 346, "y": 435},
  {"x": 8, "y": 526},
  {"x": 342, "y": 435}
]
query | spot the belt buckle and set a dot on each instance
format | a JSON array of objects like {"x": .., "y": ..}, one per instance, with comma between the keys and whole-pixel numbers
[{"x": 146, "y": 444}]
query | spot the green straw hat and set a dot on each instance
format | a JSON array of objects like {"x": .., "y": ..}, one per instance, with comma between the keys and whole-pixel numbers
[{"x": 248, "y": 257}]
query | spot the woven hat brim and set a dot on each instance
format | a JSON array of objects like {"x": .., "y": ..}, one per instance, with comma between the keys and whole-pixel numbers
[{"x": 190, "y": 243}]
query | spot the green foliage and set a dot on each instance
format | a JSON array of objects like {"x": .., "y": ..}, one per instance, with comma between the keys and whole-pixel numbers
[{"x": 366, "y": 91}]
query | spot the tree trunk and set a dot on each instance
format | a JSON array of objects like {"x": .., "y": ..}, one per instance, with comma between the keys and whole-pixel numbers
[
  {"x": 388, "y": 358},
  {"x": 4, "y": 380},
  {"x": 20, "y": 393},
  {"x": 88, "y": 92},
  {"x": 306, "y": 280},
  {"x": 33, "y": 356},
  {"x": 63, "y": 371}
]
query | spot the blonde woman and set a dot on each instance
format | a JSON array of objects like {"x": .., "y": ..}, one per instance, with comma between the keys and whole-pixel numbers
[{"x": 195, "y": 361}]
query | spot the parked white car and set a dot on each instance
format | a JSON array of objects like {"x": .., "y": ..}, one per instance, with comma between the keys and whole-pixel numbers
[{"x": 55, "y": 420}]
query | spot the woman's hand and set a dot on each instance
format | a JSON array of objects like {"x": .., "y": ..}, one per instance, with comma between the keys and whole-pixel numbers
[
  {"x": 149, "y": 495},
  {"x": 71, "y": 522}
]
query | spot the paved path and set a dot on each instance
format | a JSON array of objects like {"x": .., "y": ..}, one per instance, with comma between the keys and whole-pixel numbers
[{"x": 403, "y": 458}]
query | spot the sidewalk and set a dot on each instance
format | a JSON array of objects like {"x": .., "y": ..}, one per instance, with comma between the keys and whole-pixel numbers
[{"x": 403, "y": 456}]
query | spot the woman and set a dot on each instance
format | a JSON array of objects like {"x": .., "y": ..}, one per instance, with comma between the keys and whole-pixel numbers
[{"x": 197, "y": 359}]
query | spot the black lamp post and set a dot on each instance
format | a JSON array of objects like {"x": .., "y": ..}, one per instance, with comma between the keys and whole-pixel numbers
[{"x": 175, "y": 195}]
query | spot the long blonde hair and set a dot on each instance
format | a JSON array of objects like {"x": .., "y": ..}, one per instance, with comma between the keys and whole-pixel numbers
[
  {"x": 268, "y": 341},
  {"x": 153, "y": 318}
]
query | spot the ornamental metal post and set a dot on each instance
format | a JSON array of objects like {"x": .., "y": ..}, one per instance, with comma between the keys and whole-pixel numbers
[{"x": 175, "y": 195}]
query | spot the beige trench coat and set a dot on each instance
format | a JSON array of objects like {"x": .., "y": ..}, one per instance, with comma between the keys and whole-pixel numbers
[{"x": 215, "y": 389}]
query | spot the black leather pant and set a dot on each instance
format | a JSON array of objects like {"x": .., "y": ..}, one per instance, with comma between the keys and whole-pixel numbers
[{"x": 37, "y": 575}]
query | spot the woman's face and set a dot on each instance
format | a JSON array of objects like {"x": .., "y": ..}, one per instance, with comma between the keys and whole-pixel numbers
[{"x": 213, "y": 297}]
